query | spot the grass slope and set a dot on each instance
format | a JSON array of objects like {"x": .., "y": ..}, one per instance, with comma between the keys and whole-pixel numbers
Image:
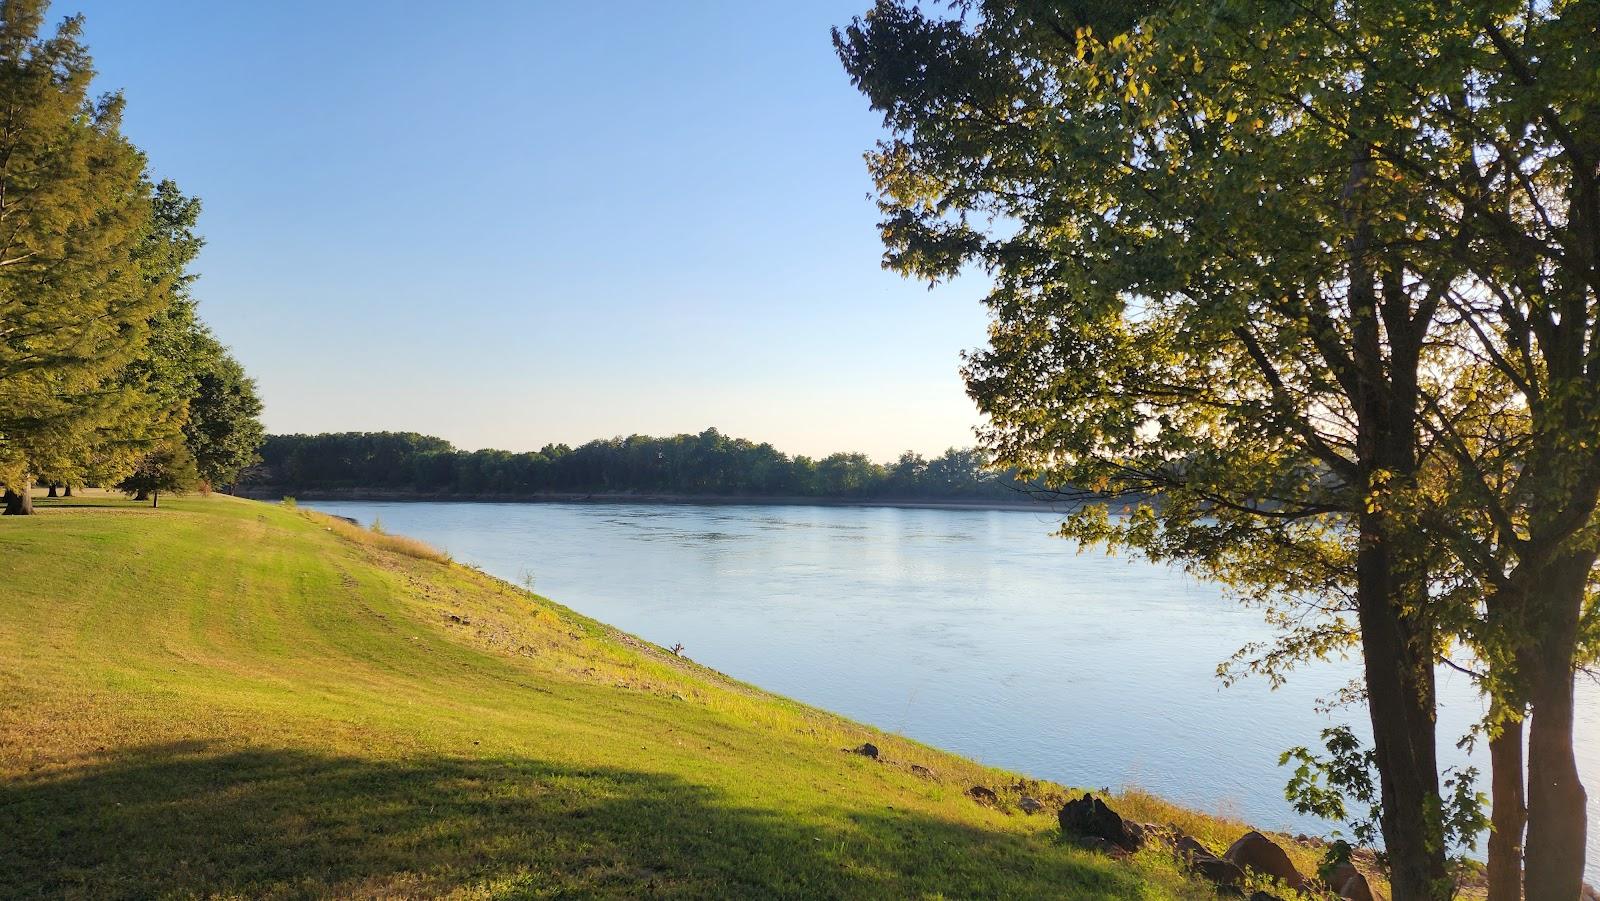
[{"x": 230, "y": 699}]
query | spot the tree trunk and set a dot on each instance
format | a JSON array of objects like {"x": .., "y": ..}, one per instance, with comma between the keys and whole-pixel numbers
[
  {"x": 155, "y": 498},
  {"x": 19, "y": 503},
  {"x": 52, "y": 491},
  {"x": 1508, "y": 814},
  {"x": 143, "y": 495},
  {"x": 67, "y": 492},
  {"x": 1557, "y": 816},
  {"x": 1397, "y": 650}
]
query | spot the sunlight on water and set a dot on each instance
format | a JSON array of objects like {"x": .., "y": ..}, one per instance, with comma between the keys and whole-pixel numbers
[{"x": 971, "y": 630}]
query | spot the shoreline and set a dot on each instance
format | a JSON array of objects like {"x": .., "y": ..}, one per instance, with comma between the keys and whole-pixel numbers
[{"x": 273, "y": 493}]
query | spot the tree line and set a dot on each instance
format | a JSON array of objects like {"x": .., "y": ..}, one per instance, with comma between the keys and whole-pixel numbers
[
  {"x": 1317, "y": 284},
  {"x": 108, "y": 376},
  {"x": 706, "y": 464}
]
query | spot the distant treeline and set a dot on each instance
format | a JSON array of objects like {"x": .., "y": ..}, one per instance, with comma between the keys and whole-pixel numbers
[{"x": 709, "y": 463}]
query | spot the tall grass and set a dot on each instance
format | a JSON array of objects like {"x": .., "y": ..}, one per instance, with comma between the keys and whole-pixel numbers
[{"x": 375, "y": 537}]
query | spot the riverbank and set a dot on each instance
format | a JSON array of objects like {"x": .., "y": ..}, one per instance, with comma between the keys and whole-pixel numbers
[
  {"x": 230, "y": 698},
  {"x": 277, "y": 492}
]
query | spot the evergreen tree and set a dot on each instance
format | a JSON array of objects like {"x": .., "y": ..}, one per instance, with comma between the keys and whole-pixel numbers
[{"x": 74, "y": 303}]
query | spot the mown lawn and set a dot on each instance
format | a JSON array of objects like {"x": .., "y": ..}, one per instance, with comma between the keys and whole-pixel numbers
[{"x": 225, "y": 698}]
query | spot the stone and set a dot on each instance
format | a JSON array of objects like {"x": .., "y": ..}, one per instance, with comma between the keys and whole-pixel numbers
[
  {"x": 918, "y": 769},
  {"x": 1349, "y": 883},
  {"x": 982, "y": 795},
  {"x": 1157, "y": 832},
  {"x": 868, "y": 749},
  {"x": 1205, "y": 862},
  {"x": 1135, "y": 833},
  {"x": 1029, "y": 805},
  {"x": 1089, "y": 816},
  {"x": 1254, "y": 851}
]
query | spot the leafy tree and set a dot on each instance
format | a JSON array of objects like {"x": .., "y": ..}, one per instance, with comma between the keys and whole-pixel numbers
[
  {"x": 224, "y": 430},
  {"x": 709, "y": 463},
  {"x": 169, "y": 467},
  {"x": 73, "y": 304},
  {"x": 1312, "y": 274},
  {"x": 906, "y": 475}
]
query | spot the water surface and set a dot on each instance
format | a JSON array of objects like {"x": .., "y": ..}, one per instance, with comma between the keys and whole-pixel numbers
[{"x": 972, "y": 630}]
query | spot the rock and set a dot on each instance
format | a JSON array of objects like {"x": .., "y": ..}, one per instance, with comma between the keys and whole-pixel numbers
[
  {"x": 918, "y": 769},
  {"x": 867, "y": 749},
  {"x": 982, "y": 795},
  {"x": 1348, "y": 883},
  {"x": 1136, "y": 833},
  {"x": 1089, "y": 816},
  {"x": 1222, "y": 872},
  {"x": 1205, "y": 862},
  {"x": 1357, "y": 889},
  {"x": 1029, "y": 805},
  {"x": 1254, "y": 851},
  {"x": 1157, "y": 832}
]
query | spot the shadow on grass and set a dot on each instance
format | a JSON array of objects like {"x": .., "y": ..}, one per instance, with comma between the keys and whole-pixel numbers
[{"x": 184, "y": 819}]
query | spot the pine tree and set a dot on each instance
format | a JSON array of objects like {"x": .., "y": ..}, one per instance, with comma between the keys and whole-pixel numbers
[{"x": 74, "y": 301}]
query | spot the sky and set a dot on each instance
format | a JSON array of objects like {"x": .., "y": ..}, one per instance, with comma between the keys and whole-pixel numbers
[{"x": 515, "y": 223}]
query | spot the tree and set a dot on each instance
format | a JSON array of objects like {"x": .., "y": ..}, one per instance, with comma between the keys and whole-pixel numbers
[
  {"x": 73, "y": 304},
  {"x": 1322, "y": 276},
  {"x": 224, "y": 427},
  {"x": 167, "y": 468}
]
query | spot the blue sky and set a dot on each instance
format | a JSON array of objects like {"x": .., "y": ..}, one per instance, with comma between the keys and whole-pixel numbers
[{"x": 512, "y": 223}]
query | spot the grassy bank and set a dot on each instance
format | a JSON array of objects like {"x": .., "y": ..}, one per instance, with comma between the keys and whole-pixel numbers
[{"x": 230, "y": 698}]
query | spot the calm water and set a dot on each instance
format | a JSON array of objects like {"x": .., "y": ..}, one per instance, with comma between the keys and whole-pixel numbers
[{"x": 974, "y": 631}]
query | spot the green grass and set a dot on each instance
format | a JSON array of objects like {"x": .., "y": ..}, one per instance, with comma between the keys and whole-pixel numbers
[{"x": 224, "y": 698}]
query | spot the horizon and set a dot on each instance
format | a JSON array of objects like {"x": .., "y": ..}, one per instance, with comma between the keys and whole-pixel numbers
[{"x": 682, "y": 237}]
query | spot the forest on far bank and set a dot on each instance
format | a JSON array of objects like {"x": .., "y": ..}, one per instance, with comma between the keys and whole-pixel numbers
[{"x": 710, "y": 464}]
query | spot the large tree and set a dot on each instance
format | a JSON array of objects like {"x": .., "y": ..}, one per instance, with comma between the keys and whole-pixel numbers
[
  {"x": 224, "y": 430},
  {"x": 74, "y": 213},
  {"x": 1277, "y": 265}
]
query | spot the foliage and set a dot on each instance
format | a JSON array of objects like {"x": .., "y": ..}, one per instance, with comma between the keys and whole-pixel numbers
[
  {"x": 75, "y": 301},
  {"x": 1341, "y": 788},
  {"x": 1326, "y": 787},
  {"x": 223, "y": 429},
  {"x": 102, "y": 355},
  {"x": 1305, "y": 272},
  {"x": 170, "y": 467},
  {"x": 709, "y": 463}
]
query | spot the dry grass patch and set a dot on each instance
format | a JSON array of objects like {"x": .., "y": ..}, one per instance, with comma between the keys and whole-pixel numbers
[{"x": 376, "y": 537}]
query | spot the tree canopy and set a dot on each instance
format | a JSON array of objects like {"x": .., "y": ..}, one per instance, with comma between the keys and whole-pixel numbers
[
  {"x": 707, "y": 464},
  {"x": 103, "y": 357},
  {"x": 1317, "y": 278}
]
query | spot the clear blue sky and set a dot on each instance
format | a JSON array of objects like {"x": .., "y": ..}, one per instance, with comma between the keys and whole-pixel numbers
[{"x": 511, "y": 223}]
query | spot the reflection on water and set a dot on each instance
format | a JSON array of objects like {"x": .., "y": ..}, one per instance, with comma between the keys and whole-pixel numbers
[{"x": 970, "y": 630}]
